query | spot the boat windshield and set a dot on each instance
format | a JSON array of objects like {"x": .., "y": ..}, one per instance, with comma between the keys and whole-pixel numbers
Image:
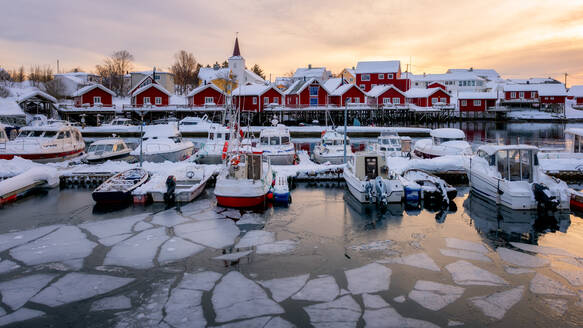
[
  {"x": 264, "y": 140},
  {"x": 50, "y": 134},
  {"x": 284, "y": 140},
  {"x": 274, "y": 141},
  {"x": 32, "y": 133},
  {"x": 438, "y": 141},
  {"x": 102, "y": 147},
  {"x": 515, "y": 164}
]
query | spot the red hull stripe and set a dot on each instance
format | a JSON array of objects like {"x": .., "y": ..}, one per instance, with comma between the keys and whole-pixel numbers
[
  {"x": 240, "y": 202},
  {"x": 41, "y": 156},
  {"x": 576, "y": 205}
]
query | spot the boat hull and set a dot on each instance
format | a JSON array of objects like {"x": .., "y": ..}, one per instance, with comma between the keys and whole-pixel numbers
[
  {"x": 335, "y": 160},
  {"x": 241, "y": 202},
  {"x": 46, "y": 157},
  {"x": 357, "y": 189},
  {"x": 281, "y": 159},
  {"x": 112, "y": 197},
  {"x": 208, "y": 158},
  {"x": 175, "y": 156}
]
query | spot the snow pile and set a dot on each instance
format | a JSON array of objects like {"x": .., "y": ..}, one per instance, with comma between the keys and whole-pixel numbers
[{"x": 438, "y": 164}]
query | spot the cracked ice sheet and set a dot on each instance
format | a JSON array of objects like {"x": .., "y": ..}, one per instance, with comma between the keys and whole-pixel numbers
[
  {"x": 257, "y": 322},
  {"x": 374, "y": 301},
  {"x": 466, "y": 245},
  {"x": 435, "y": 296},
  {"x": 370, "y": 278},
  {"x": 141, "y": 226},
  {"x": 20, "y": 315},
  {"x": 466, "y": 255},
  {"x": 232, "y": 214},
  {"x": 236, "y": 297},
  {"x": 570, "y": 272},
  {"x": 9, "y": 240},
  {"x": 282, "y": 288},
  {"x": 255, "y": 238},
  {"x": 542, "y": 249},
  {"x": 216, "y": 233},
  {"x": 379, "y": 313},
  {"x": 112, "y": 227},
  {"x": 278, "y": 247},
  {"x": 78, "y": 286},
  {"x": 112, "y": 240},
  {"x": 112, "y": 303},
  {"x": 66, "y": 243},
  {"x": 7, "y": 266},
  {"x": 251, "y": 218},
  {"x": 419, "y": 260},
  {"x": 322, "y": 289},
  {"x": 343, "y": 312},
  {"x": 559, "y": 306},
  {"x": 232, "y": 256},
  {"x": 465, "y": 273},
  {"x": 496, "y": 305},
  {"x": 195, "y": 207},
  {"x": 512, "y": 270},
  {"x": 374, "y": 246},
  {"x": 149, "y": 313},
  {"x": 521, "y": 259},
  {"x": 183, "y": 308},
  {"x": 168, "y": 218},
  {"x": 137, "y": 252},
  {"x": 177, "y": 248},
  {"x": 199, "y": 281},
  {"x": 542, "y": 284},
  {"x": 15, "y": 293}
]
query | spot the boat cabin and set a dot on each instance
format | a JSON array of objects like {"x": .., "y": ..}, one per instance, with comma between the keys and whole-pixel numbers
[
  {"x": 389, "y": 141},
  {"x": 218, "y": 133},
  {"x": 513, "y": 163},
  {"x": 107, "y": 146},
  {"x": 58, "y": 133},
  {"x": 440, "y": 136},
  {"x": 275, "y": 136},
  {"x": 248, "y": 166},
  {"x": 333, "y": 138},
  {"x": 120, "y": 121},
  {"x": 369, "y": 165},
  {"x": 192, "y": 121},
  {"x": 574, "y": 140}
]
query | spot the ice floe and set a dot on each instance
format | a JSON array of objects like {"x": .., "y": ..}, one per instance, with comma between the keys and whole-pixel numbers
[
  {"x": 183, "y": 308},
  {"x": 20, "y": 315},
  {"x": 465, "y": 273},
  {"x": 216, "y": 233},
  {"x": 282, "y": 288},
  {"x": 466, "y": 245},
  {"x": 521, "y": 259},
  {"x": 343, "y": 312},
  {"x": 236, "y": 297},
  {"x": 78, "y": 286},
  {"x": 322, "y": 289},
  {"x": 255, "y": 238},
  {"x": 16, "y": 292},
  {"x": 195, "y": 207},
  {"x": 513, "y": 270},
  {"x": 541, "y": 249},
  {"x": 177, "y": 248},
  {"x": 112, "y": 227},
  {"x": 400, "y": 299},
  {"x": 7, "y": 266},
  {"x": 141, "y": 226},
  {"x": 435, "y": 296},
  {"x": 112, "y": 240},
  {"x": 496, "y": 305},
  {"x": 150, "y": 312},
  {"x": 65, "y": 243},
  {"x": 9, "y": 240},
  {"x": 199, "y": 281},
  {"x": 570, "y": 272},
  {"x": 418, "y": 260},
  {"x": 557, "y": 305},
  {"x": 453, "y": 323},
  {"x": 378, "y": 245},
  {"x": 542, "y": 284},
  {"x": 232, "y": 214},
  {"x": 256, "y": 322},
  {"x": 374, "y": 301},
  {"x": 278, "y": 247},
  {"x": 463, "y": 254},
  {"x": 169, "y": 218},
  {"x": 138, "y": 251},
  {"x": 206, "y": 215},
  {"x": 370, "y": 278},
  {"x": 251, "y": 218},
  {"x": 277, "y": 322},
  {"x": 120, "y": 302},
  {"x": 232, "y": 256},
  {"x": 387, "y": 317}
]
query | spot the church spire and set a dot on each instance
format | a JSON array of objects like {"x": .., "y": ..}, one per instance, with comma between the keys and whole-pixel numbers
[{"x": 236, "y": 51}]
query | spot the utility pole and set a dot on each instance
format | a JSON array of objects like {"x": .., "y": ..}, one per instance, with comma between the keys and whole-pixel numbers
[{"x": 566, "y": 79}]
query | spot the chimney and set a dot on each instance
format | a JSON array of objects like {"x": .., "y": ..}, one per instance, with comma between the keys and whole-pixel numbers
[{"x": 309, "y": 66}]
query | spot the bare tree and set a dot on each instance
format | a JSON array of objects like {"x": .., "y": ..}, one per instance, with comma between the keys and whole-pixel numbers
[
  {"x": 114, "y": 68},
  {"x": 55, "y": 88},
  {"x": 257, "y": 70},
  {"x": 289, "y": 74},
  {"x": 225, "y": 64},
  {"x": 185, "y": 70}
]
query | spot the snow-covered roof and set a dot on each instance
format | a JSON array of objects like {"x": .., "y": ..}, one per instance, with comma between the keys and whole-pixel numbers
[
  {"x": 254, "y": 76},
  {"x": 421, "y": 92},
  {"x": 488, "y": 73},
  {"x": 388, "y": 66},
  {"x": 36, "y": 93},
  {"x": 88, "y": 88},
  {"x": 151, "y": 85},
  {"x": 551, "y": 89},
  {"x": 252, "y": 90},
  {"x": 490, "y": 149},
  {"x": 378, "y": 90},
  {"x": 520, "y": 87},
  {"x": 332, "y": 84},
  {"x": 161, "y": 130},
  {"x": 576, "y": 131},
  {"x": 292, "y": 89},
  {"x": 209, "y": 74},
  {"x": 448, "y": 133},
  {"x": 310, "y": 72},
  {"x": 575, "y": 91},
  {"x": 204, "y": 87},
  {"x": 9, "y": 107},
  {"x": 533, "y": 80},
  {"x": 477, "y": 95},
  {"x": 343, "y": 88},
  {"x": 76, "y": 74},
  {"x": 149, "y": 72},
  {"x": 456, "y": 76}
]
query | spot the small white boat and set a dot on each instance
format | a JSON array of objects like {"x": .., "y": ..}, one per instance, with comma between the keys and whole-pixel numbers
[
  {"x": 443, "y": 142},
  {"x": 118, "y": 188},
  {"x": 510, "y": 176},
  {"x": 162, "y": 143},
  {"x": 106, "y": 150},
  {"x": 188, "y": 184},
  {"x": 369, "y": 180},
  {"x": 194, "y": 124},
  {"x": 389, "y": 143},
  {"x": 275, "y": 144},
  {"x": 45, "y": 143},
  {"x": 118, "y": 122},
  {"x": 434, "y": 189},
  {"x": 331, "y": 148},
  {"x": 214, "y": 150}
]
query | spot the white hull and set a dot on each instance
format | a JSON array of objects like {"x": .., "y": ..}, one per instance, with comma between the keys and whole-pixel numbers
[
  {"x": 333, "y": 159},
  {"x": 358, "y": 190},
  {"x": 173, "y": 156},
  {"x": 185, "y": 195},
  {"x": 281, "y": 159}
]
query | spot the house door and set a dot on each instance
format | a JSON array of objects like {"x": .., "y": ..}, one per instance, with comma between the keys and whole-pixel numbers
[
  {"x": 253, "y": 167},
  {"x": 371, "y": 167}
]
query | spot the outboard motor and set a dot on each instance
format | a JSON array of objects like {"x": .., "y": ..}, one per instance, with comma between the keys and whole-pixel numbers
[
  {"x": 381, "y": 191},
  {"x": 169, "y": 196},
  {"x": 543, "y": 197},
  {"x": 368, "y": 189}
]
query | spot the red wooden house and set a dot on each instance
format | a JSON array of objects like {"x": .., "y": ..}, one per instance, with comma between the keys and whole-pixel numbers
[
  {"x": 347, "y": 93},
  {"x": 206, "y": 95},
  {"x": 93, "y": 95},
  {"x": 372, "y": 73},
  {"x": 306, "y": 93},
  {"x": 151, "y": 94},
  {"x": 427, "y": 97},
  {"x": 256, "y": 97},
  {"x": 386, "y": 95},
  {"x": 436, "y": 85},
  {"x": 521, "y": 93},
  {"x": 476, "y": 101},
  {"x": 552, "y": 93},
  {"x": 576, "y": 93}
]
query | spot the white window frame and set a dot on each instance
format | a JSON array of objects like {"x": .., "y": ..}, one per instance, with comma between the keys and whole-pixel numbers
[
  {"x": 381, "y": 76},
  {"x": 365, "y": 77},
  {"x": 434, "y": 100},
  {"x": 265, "y": 100},
  {"x": 209, "y": 100},
  {"x": 552, "y": 98},
  {"x": 521, "y": 95},
  {"x": 513, "y": 95},
  {"x": 533, "y": 94},
  {"x": 96, "y": 99},
  {"x": 443, "y": 100},
  {"x": 275, "y": 100},
  {"x": 355, "y": 100},
  {"x": 477, "y": 102},
  {"x": 158, "y": 100},
  {"x": 362, "y": 86},
  {"x": 396, "y": 100},
  {"x": 386, "y": 101},
  {"x": 390, "y": 76},
  {"x": 464, "y": 103},
  {"x": 254, "y": 100},
  {"x": 147, "y": 101}
]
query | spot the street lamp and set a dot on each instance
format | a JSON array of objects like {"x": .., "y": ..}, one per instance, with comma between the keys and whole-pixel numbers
[{"x": 141, "y": 112}]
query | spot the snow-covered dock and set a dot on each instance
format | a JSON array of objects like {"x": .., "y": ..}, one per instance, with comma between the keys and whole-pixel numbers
[
  {"x": 563, "y": 165},
  {"x": 450, "y": 168}
]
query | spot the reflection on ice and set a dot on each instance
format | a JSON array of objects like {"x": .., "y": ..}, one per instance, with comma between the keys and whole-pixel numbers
[
  {"x": 465, "y": 273},
  {"x": 320, "y": 289},
  {"x": 255, "y": 238},
  {"x": 433, "y": 295},
  {"x": 282, "y": 288},
  {"x": 419, "y": 260},
  {"x": 496, "y": 305},
  {"x": 112, "y": 303},
  {"x": 370, "y": 278},
  {"x": 521, "y": 259},
  {"x": 463, "y": 254},
  {"x": 542, "y": 284}
]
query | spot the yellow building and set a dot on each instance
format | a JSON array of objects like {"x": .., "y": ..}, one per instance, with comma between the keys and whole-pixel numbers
[{"x": 349, "y": 75}]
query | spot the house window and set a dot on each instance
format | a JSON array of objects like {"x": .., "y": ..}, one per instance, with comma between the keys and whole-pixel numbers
[
  {"x": 373, "y": 85},
  {"x": 146, "y": 100},
  {"x": 381, "y": 76},
  {"x": 460, "y": 83},
  {"x": 314, "y": 91},
  {"x": 347, "y": 100},
  {"x": 396, "y": 101},
  {"x": 521, "y": 95},
  {"x": 552, "y": 98},
  {"x": 365, "y": 77},
  {"x": 443, "y": 100},
  {"x": 464, "y": 103},
  {"x": 265, "y": 100},
  {"x": 434, "y": 100},
  {"x": 275, "y": 100},
  {"x": 254, "y": 100},
  {"x": 356, "y": 100},
  {"x": 532, "y": 94},
  {"x": 513, "y": 95},
  {"x": 390, "y": 76},
  {"x": 386, "y": 101},
  {"x": 156, "y": 77},
  {"x": 288, "y": 101},
  {"x": 362, "y": 86},
  {"x": 209, "y": 100},
  {"x": 97, "y": 100},
  {"x": 477, "y": 103},
  {"x": 158, "y": 100}
]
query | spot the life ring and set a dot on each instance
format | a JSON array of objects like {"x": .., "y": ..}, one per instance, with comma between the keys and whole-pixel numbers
[
  {"x": 235, "y": 161},
  {"x": 225, "y": 148}
]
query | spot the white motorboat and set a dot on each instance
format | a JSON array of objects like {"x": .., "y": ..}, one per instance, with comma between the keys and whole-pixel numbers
[
  {"x": 275, "y": 144},
  {"x": 162, "y": 143},
  {"x": 192, "y": 124},
  {"x": 443, "y": 142},
  {"x": 106, "y": 150},
  {"x": 118, "y": 122},
  {"x": 188, "y": 183},
  {"x": 389, "y": 143},
  {"x": 214, "y": 150},
  {"x": 45, "y": 143},
  {"x": 433, "y": 188},
  {"x": 510, "y": 176},
  {"x": 331, "y": 148},
  {"x": 369, "y": 180},
  {"x": 118, "y": 188}
]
